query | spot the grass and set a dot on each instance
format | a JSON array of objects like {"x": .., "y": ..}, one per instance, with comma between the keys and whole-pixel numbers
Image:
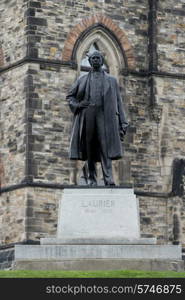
[{"x": 90, "y": 274}]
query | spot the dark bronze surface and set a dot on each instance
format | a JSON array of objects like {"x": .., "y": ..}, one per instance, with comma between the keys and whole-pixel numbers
[{"x": 99, "y": 121}]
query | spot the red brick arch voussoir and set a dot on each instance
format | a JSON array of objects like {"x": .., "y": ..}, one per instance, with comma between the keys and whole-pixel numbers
[{"x": 107, "y": 22}]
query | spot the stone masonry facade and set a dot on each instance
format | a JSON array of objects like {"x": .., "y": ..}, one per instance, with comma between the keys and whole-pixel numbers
[{"x": 39, "y": 42}]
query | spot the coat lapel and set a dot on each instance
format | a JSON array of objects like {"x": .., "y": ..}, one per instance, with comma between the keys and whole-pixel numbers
[{"x": 106, "y": 83}]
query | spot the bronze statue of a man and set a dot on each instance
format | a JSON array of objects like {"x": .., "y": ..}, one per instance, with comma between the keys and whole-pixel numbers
[{"x": 99, "y": 120}]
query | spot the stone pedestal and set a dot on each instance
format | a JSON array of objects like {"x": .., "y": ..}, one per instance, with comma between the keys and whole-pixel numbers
[
  {"x": 98, "y": 229},
  {"x": 98, "y": 213}
]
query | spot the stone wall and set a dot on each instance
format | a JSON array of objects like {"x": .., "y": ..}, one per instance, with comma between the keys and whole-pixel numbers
[
  {"x": 36, "y": 122},
  {"x": 13, "y": 207},
  {"x": 50, "y": 121},
  {"x": 13, "y": 125},
  {"x": 141, "y": 142},
  {"x": 170, "y": 98},
  {"x": 149, "y": 144},
  {"x": 50, "y": 23},
  {"x": 12, "y": 34},
  {"x": 170, "y": 36},
  {"x": 6, "y": 258},
  {"x": 161, "y": 217},
  {"x": 28, "y": 214},
  {"x": 42, "y": 208},
  {"x": 158, "y": 137}
]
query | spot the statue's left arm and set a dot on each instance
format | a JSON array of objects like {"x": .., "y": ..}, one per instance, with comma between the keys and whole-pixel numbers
[{"x": 122, "y": 118}]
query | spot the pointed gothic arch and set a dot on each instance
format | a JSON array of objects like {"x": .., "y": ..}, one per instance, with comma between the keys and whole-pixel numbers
[
  {"x": 98, "y": 24},
  {"x": 113, "y": 56}
]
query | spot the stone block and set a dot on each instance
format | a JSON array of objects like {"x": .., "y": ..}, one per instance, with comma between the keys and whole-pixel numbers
[
  {"x": 60, "y": 252},
  {"x": 98, "y": 213},
  {"x": 104, "y": 264},
  {"x": 97, "y": 241}
]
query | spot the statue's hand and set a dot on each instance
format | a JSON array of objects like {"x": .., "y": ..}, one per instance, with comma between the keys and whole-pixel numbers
[
  {"x": 122, "y": 134},
  {"x": 123, "y": 130},
  {"x": 83, "y": 104}
]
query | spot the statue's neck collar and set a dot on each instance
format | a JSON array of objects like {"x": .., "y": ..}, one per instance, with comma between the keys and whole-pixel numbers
[{"x": 97, "y": 71}]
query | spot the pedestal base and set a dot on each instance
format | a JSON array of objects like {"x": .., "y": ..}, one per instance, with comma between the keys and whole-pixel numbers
[
  {"x": 97, "y": 241},
  {"x": 101, "y": 264},
  {"x": 60, "y": 252},
  {"x": 98, "y": 229}
]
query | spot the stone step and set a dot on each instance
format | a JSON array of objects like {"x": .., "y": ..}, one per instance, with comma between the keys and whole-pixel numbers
[
  {"x": 97, "y": 241},
  {"x": 101, "y": 264},
  {"x": 29, "y": 252}
]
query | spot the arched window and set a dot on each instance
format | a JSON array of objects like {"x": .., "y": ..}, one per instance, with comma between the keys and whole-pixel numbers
[{"x": 99, "y": 39}]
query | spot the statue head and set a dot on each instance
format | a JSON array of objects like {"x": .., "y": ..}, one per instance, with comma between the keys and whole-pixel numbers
[{"x": 96, "y": 59}]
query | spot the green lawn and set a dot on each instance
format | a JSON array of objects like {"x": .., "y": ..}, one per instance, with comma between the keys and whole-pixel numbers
[{"x": 90, "y": 274}]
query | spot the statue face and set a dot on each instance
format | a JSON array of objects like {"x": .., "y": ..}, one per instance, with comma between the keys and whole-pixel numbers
[{"x": 96, "y": 61}]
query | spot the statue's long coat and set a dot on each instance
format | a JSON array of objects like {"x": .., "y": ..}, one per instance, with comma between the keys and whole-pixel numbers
[{"x": 113, "y": 116}]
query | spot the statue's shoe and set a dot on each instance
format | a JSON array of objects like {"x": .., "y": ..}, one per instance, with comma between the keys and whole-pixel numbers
[
  {"x": 92, "y": 182},
  {"x": 110, "y": 183}
]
